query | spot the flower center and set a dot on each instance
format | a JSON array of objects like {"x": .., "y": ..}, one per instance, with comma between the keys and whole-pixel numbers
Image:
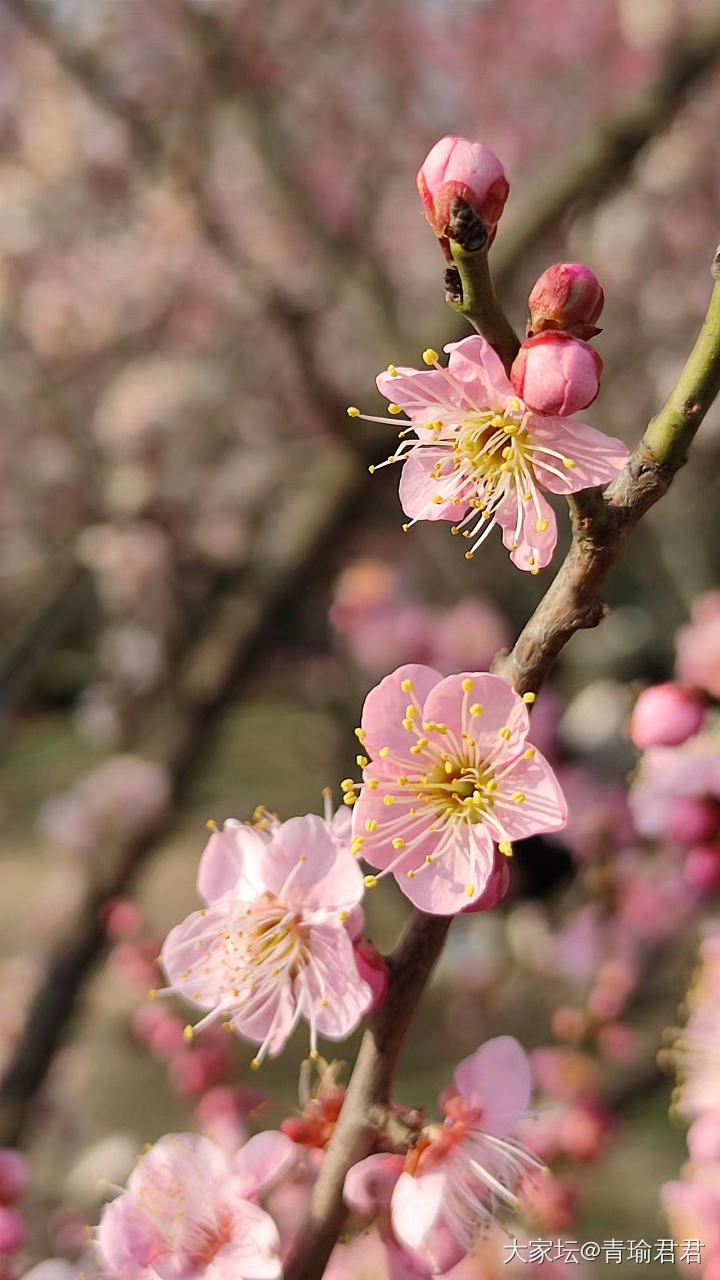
[
  {"x": 276, "y": 941},
  {"x": 457, "y": 789},
  {"x": 491, "y": 446}
]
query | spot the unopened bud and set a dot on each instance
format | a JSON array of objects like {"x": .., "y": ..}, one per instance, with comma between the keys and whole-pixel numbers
[
  {"x": 557, "y": 374},
  {"x": 457, "y": 169},
  {"x": 665, "y": 715},
  {"x": 568, "y": 296}
]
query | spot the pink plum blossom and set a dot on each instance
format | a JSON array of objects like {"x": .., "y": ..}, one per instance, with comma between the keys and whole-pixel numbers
[
  {"x": 665, "y": 715},
  {"x": 186, "y": 1213},
  {"x": 555, "y": 373},
  {"x": 461, "y": 1172},
  {"x": 456, "y": 168},
  {"x": 567, "y": 296},
  {"x": 271, "y": 947},
  {"x": 676, "y": 791},
  {"x": 479, "y": 456},
  {"x": 698, "y": 646},
  {"x": 450, "y": 775}
]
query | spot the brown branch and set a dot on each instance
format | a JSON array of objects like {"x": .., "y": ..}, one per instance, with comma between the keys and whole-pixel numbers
[{"x": 601, "y": 525}]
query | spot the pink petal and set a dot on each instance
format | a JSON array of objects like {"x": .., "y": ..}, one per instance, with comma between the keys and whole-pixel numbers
[
  {"x": 306, "y": 869},
  {"x": 232, "y": 862},
  {"x": 330, "y": 991},
  {"x": 261, "y": 1161},
  {"x": 417, "y": 1204},
  {"x": 377, "y": 846},
  {"x": 496, "y": 1078},
  {"x": 480, "y": 370},
  {"x": 419, "y": 486},
  {"x": 385, "y": 705},
  {"x": 543, "y": 808},
  {"x": 272, "y": 1013},
  {"x": 597, "y": 457},
  {"x": 370, "y": 1183},
  {"x": 253, "y": 1253},
  {"x": 424, "y": 394},
  {"x": 502, "y": 708},
  {"x": 466, "y": 860},
  {"x": 195, "y": 957},
  {"x": 530, "y": 547}
]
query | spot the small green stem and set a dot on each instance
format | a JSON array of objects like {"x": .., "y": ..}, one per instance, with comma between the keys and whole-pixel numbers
[
  {"x": 670, "y": 434},
  {"x": 479, "y": 303}
]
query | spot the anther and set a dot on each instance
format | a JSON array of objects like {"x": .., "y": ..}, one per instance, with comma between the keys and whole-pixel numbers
[
  {"x": 430, "y": 356},
  {"x": 353, "y": 411},
  {"x": 188, "y": 1034},
  {"x": 476, "y": 709},
  {"x": 384, "y": 751},
  {"x": 211, "y": 825},
  {"x": 407, "y": 686},
  {"x": 518, "y": 797},
  {"x": 505, "y": 733},
  {"x": 398, "y": 843},
  {"x": 506, "y": 848},
  {"x": 541, "y": 525},
  {"x": 394, "y": 408},
  {"x": 468, "y": 685},
  {"x": 370, "y": 882},
  {"x": 529, "y": 698}
]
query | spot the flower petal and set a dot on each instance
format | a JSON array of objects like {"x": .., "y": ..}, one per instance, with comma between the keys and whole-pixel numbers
[
  {"x": 462, "y": 861},
  {"x": 596, "y": 458},
  {"x": 496, "y": 1078},
  {"x": 481, "y": 372},
  {"x": 261, "y": 1161},
  {"x": 417, "y": 1203},
  {"x": 330, "y": 992},
  {"x": 502, "y": 708},
  {"x": 542, "y": 807},
  {"x": 425, "y": 497},
  {"x": 232, "y": 862},
  {"x": 385, "y": 706},
  {"x": 306, "y": 868}
]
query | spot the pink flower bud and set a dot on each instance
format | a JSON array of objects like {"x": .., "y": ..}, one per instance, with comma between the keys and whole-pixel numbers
[
  {"x": 583, "y": 1132},
  {"x": 372, "y": 968},
  {"x": 702, "y": 867},
  {"x": 692, "y": 819},
  {"x": 459, "y": 169},
  {"x": 555, "y": 373},
  {"x": 12, "y": 1230},
  {"x": 14, "y": 1175},
  {"x": 665, "y": 715},
  {"x": 567, "y": 296}
]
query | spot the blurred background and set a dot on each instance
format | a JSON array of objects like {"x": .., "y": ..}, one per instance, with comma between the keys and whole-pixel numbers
[{"x": 210, "y": 242}]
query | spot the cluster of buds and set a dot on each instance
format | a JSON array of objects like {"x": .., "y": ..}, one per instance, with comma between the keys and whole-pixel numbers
[{"x": 556, "y": 370}]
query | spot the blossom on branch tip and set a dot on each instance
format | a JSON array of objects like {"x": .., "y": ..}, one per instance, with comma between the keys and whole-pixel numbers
[
  {"x": 186, "y": 1213},
  {"x": 457, "y": 169},
  {"x": 556, "y": 373},
  {"x": 461, "y": 1174},
  {"x": 479, "y": 456},
  {"x": 272, "y": 945},
  {"x": 449, "y": 775},
  {"x": 567, "y": 296}
]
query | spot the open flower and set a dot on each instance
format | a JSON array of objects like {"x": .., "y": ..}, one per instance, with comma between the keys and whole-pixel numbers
[
  {"x": 186, "y": 1212},
  {"x": 272, "y": 946},
  {"x": 460, "y": 1174},
  {"x": 448, "y": 775},
  {"x": 480, "y": 456}
]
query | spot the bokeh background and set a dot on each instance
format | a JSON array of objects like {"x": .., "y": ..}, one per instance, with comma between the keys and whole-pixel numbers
[{"x": 210, "y": 242}]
